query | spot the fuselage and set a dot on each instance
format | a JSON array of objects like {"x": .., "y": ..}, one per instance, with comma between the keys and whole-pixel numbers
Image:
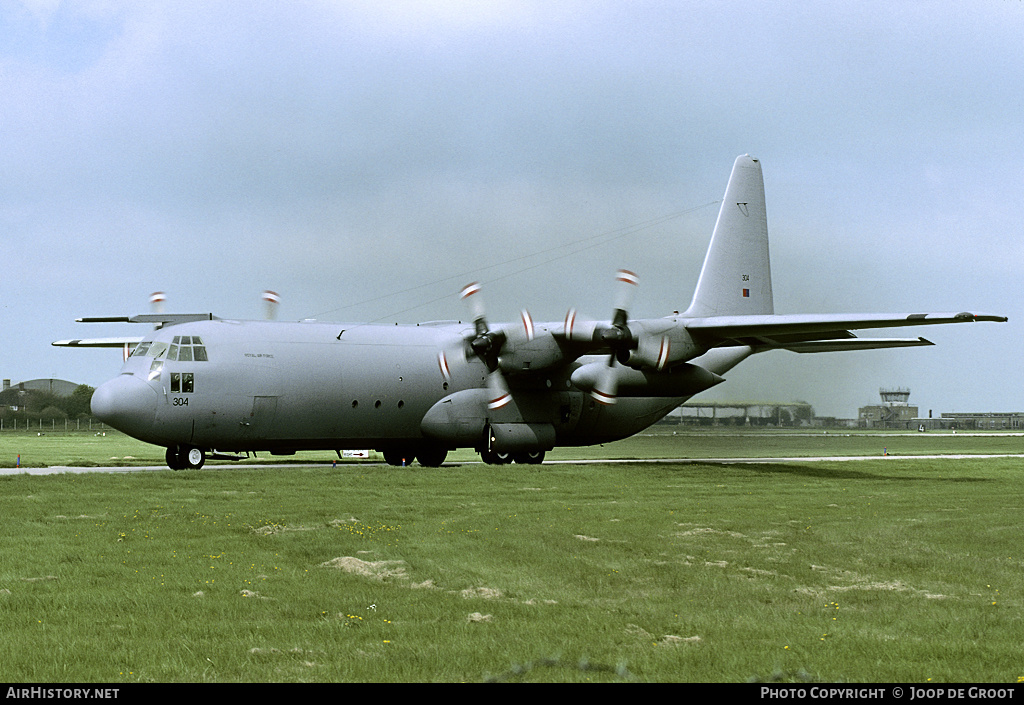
[{"x": 236, "y": 386}]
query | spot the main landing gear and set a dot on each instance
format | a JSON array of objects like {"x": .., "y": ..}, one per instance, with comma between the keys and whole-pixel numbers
[
  {"x": 430, "y": 456},
  {"x": 185, "y": 458},
  {"x": 492, "y": 457}
]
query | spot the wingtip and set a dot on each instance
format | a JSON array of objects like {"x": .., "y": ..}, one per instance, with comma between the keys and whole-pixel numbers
[{"x": 990, "y": 317}]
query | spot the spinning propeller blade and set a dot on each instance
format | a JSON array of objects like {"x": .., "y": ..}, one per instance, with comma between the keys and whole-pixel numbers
[
  {"x": 271, "y": 300},
  {"x": 156, "y": 301},
  {"x": 487, "y": 344},
  {"x": 617, "y": 336}
]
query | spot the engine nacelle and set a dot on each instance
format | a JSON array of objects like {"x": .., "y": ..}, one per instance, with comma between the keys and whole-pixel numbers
[
  {"x": 683, "y": 380},
  {"x": 540, "y": 352},
  {"x": 660, "y": 344}
]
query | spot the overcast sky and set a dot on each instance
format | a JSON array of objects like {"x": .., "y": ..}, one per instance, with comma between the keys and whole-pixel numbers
[{"x": 367, "y": 159}]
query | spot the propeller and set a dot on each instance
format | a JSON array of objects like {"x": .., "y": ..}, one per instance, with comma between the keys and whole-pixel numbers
[
  {"x": 487, "y": 344},
  {"x": 156, "y": 301},
  {"x": 271, "y": 300},
  {"x": 616, "y": 336}
]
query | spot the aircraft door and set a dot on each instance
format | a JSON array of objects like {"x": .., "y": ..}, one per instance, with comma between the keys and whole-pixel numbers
[
  {"x": 569, "y": 410},
  {"x": 261, "y": 419}
]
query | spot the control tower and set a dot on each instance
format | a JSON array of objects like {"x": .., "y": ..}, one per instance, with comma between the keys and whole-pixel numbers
[
  {"x": 895, "y": 410},
  {"x": 900, "y": 396}
]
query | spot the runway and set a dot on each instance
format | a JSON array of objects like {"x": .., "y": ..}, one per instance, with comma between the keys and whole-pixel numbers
[{"x": 62, "y": 469}]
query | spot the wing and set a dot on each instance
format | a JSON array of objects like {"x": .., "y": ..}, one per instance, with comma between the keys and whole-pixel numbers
[
  {"x": 807, "y": 333},
  {"x": 160, "y": 320},
  {"x": 97, "y": 342}
]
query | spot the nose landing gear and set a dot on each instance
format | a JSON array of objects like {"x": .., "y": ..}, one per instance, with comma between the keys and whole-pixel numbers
[{"x": 185, "y": 458}]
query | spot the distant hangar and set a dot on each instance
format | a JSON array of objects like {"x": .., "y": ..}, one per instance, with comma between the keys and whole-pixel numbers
[{"x": 57, "y": 387}]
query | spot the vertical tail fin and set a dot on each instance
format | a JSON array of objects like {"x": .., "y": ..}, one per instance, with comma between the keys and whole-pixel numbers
[{"x": 736, "y": 278}]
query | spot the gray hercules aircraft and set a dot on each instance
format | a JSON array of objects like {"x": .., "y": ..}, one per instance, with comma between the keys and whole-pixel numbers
[{"x": 203, "y": 387}]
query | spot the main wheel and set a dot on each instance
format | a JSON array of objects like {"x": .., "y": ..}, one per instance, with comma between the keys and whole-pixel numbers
[
  {"x": 173, "y": 458},
  {"x": 529, "y": 458},
  {"x": 399, "y": 457},
  {"x": 432, "y": 457},
  {"x": 492, "y": 457}
]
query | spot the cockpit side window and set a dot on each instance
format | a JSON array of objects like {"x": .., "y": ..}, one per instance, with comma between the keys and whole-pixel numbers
[{"x": 182, "y": 382}]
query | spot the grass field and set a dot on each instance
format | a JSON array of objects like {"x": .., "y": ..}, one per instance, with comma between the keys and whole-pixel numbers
[{"x": 889, "y": 569}]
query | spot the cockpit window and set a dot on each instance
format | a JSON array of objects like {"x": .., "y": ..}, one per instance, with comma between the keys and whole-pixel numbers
[
  {"x": 189, "y": 348},
  {"x": 184, "y": 348},
  {"x": 182, "y": 383}
]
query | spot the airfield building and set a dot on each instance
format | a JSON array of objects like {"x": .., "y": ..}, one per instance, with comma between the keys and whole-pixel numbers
[
  {"x": 974, "y": 421},
  {"x": 742, "y": 414},
  {"x": 60, "y": 387},
  {"x": 895, "y": 411}
]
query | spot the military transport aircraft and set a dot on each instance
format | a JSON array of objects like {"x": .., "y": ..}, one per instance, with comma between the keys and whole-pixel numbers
[{"x": 203, "y": 387}]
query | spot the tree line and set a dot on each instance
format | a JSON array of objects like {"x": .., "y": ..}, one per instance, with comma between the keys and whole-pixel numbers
[{"x": 36, "y": 404}]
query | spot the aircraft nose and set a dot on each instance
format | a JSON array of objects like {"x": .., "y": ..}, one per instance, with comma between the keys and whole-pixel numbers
[{"x": 127, "y": 404}]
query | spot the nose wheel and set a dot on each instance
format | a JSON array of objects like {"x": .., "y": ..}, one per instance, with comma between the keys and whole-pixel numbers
[{"x": 184, "y": 458}]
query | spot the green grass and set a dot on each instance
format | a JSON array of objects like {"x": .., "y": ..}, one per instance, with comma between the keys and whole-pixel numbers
[{"x": 870, "y": 571}]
